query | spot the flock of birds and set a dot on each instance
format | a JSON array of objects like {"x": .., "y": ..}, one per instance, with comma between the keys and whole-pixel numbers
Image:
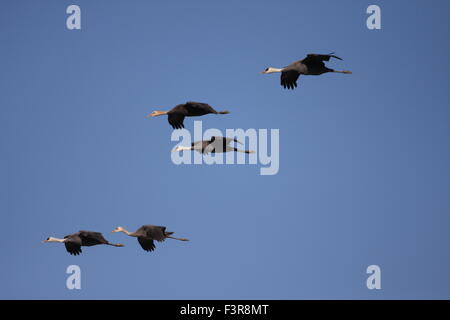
[
  {"x": 313, "y": 64},
  {"x": 146, "y": 236}
]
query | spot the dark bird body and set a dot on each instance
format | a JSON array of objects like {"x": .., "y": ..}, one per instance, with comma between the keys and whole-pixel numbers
[
  {"x": 215, "y": 144},
  {"x": 75, "y": 241},
  {"x": 312, "y": 65},
  {"x": 148, "y": 233},
  {"x": 176, "y": 115}
]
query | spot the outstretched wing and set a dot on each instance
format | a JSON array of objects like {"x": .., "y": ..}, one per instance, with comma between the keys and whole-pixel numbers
[
  {"x": 221, "y": 140},
  {"x": 229, "y": 140},
  {"x": 198, "y": 108},
  {"x": 289, "y": 78},
  {"x": 319, "y": 57},
  {"x": 73, "y": 244},
  {"x": 155, "y": 232},
  {"x": 209, "y": 147},
  {"x": 176, "y": 120},
  {"x": 146, "y": 243},
  {"x": 91, "y": 238}
]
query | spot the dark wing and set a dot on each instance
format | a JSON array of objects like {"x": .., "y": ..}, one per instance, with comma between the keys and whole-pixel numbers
[
  {"x": 209, "y": 146},
  {"x": 146, "y": 243},
  {"x": 229, "y": 140},
  {"x": 189, "y": 109},
  {"x": 142, "y": 231},
  {"x": 197, "y": 144},
  {"x": 176, "y": 120},
  {"x": 200, "y": 146},
  {"x": 217, "y": 144},
  {"x": 289, "y": 78},
  {"x": 319, "y": 57},
  {"x": 156, "y": 232},
  {"x": 152, "y": 232},
  {"x": 73, "y": 244},
  {"x": 198, "y": 108},
  {"x": 91, "y": 238},
  {"x": 226, "y": 140}
]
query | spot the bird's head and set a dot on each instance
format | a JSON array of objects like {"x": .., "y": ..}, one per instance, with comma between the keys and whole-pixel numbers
[
  {"x": 51, "y": 239},
  {"x": 118, "y": 229},
  {"x": 270, "y": 70}
]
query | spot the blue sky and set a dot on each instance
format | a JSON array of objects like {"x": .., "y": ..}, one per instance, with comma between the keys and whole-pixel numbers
[{"x": 364, "y": 159}]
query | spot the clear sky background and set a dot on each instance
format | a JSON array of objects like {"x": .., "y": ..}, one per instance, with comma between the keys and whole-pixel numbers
[{"x": 364, "y": 159}]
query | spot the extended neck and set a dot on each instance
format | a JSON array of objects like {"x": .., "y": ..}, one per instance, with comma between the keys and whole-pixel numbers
[
  {"x": 51, "y": 239},
  {"x": 181, "y": 148},
  {"x": 274, "y": 70},
  {"x": 127, "y": 232},
  {"x": 156, "y": 113}
]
